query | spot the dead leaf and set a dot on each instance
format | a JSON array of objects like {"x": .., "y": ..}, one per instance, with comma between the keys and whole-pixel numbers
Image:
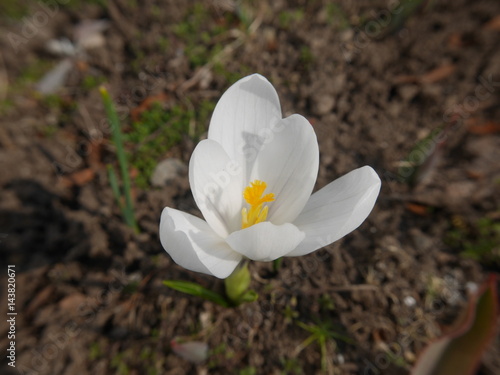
[
  {"x": 439, "y": 73},
  {"x": 402, "y": 79},
  {"x": 41, "y": 299},
  {"x": 94, "y": 158},
  {"x": 455, "y": 40},
  {"x": 435, "y": 75},
  {"x": 71, "y": 303},
  {"x": 379, "y": 341},
  {"x": 134, "y": 172},
  {"x": 493, "y": 24},
  {"x": 82, "y": 66},
  {"x": 488, "y": 127},
  {"x": 79, "y": 178},
  {"x": 459, "y": 351},
  {"x": 417, "y": 209},
  {"x": 147, "y": 104},
  {"x": 474, "y": 175}
]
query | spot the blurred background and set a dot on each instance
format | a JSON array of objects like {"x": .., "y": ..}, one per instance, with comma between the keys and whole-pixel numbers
[{"x": 411, "y": 88}]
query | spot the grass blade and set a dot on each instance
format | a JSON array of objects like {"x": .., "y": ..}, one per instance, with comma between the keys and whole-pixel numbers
[
  {"x": 128, "y": 210},
  {"x": 113, "y": 181}
]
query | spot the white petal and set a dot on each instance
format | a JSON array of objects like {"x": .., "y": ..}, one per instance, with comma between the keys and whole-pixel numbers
[
  {"x": 288, "y": 162},
  {"x": 337, "y": 209},
  {"x": 55, "y": 78},
  {"x": 244, "y": 113},
  {"x": 192, "y": 244},
  {"x": 217, "y": 187},
  {"x": 192, "y": 351},
  {"x": 265, "y": 241}
]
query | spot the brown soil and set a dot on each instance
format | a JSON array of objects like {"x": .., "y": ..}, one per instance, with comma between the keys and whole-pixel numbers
[{"x": 90, "y": 298}]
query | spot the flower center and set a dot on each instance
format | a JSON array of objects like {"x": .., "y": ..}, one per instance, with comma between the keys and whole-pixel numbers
[{"x": 257, "y": 212}]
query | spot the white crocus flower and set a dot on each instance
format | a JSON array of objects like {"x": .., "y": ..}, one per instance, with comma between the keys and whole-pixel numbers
[{"x": 252, "y": 180}]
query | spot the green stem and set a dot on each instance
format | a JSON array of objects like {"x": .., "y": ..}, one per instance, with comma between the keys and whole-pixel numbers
[
  {"x": 237, "y": 285},
  {"x": 277, "y": 265}
]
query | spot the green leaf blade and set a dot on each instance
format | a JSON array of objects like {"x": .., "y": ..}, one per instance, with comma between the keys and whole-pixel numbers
[
  {"x": 459, "y": 352},
  {"x": 197, "y": 290}
]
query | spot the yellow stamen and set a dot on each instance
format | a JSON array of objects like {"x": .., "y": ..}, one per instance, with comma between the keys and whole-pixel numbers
[{"x": 253, "y": 196}]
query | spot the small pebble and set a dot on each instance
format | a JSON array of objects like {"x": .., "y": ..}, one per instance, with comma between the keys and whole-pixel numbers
[
  {"x": 340, "y": 359},
  {"x": 409, "y": 301},
  {"x": 167, "y": 171},
  {"x": 471, "y": 287}
]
